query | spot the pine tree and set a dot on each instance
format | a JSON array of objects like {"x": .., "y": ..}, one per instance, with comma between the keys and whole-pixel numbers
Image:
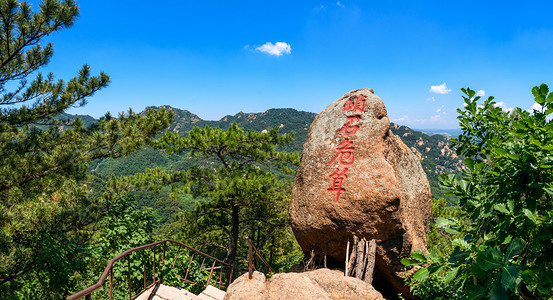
[
  {"x": 238, "y": 177},
  {"x": 43, "y": 161}
]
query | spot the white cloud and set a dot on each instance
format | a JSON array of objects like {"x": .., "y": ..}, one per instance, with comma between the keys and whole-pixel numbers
[
  {"x": 439, "y": 109},
  {"x": 435, "y": 118},
  {"x": 402, "y": 119},
  {"x": 340, "y": 4},
  {"x": 536, "y": 106},
  {"x": 276, "y": 49},
  {"x": 439, "y": 89},
  {"x": 480, "y": 93},
  {"x": 430, "y": 99},
  {"x": 503, "y": 106}
]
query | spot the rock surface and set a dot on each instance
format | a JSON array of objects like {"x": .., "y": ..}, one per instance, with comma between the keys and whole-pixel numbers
[
  {"x": 357, "y": 178},
  {"x": 318, "y": 284}
]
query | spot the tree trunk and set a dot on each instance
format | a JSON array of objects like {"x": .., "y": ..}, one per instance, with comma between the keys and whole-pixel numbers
[
  {"x": 371, "y": 256},
  {"x": 360, "y": 264},
  {"x": 272, "y": 251},
  {"x": 258, "y": 246},
  {"x": 234, "y": 235},
  {"x": 351, "y": 262}
]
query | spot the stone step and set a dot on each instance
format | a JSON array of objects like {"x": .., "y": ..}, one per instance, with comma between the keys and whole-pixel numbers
[
  {"x": 212, "y": 293},
  {"x": 164, "y": 292}
]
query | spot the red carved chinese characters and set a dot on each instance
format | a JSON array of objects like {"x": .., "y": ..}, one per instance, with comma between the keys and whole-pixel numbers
[
  {"x": 337, "y": 179},
  {"x": 358, "y": 104},
  {"x": 348, "y": 128},
  {"x": 344, "y": 151}
]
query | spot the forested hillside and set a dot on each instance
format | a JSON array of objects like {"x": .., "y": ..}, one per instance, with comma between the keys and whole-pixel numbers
[
  {"x": 434, "y": 151},
  {"x": 435, "y": 154},
  {"x": 287, "y": 119}
]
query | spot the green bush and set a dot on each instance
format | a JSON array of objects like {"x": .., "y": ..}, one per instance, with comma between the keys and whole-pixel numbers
[{"x": 506, "y": 195}]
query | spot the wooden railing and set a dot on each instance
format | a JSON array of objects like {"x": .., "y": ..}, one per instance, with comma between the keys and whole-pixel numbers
[
  {"x": 215, "y": 265},
  {"x": 251, "y": 265}
]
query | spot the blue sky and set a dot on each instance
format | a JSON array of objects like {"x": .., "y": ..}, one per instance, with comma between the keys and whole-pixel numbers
[{"x": 209, "y": 56}]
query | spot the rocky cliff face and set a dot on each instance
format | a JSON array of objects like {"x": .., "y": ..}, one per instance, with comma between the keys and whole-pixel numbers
[{"x": 357, "y": 178}]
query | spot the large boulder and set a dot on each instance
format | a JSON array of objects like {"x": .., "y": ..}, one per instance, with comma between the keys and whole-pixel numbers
[
  {"x": 319, "y": 284},
  {"x": 357, "y": 178}
]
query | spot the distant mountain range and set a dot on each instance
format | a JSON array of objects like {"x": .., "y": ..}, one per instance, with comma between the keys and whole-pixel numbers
[
  {"x": 287, "y": 119},
  {"x": 452, "y": 133},
  {"x": 433, "y": 147}
]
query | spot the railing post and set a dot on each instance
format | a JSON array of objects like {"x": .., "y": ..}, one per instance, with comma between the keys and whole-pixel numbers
[
  {"x": 176, "y": 256},
  {"x": 129, "y": 270},
  {"x": 210, "y": 273},
  {"x": 231, "y": 275},
  {"x": 202, "y": 266},
  {"x": 162, "y": 262},
  {"x": 189, "y": 264},
  {"x": 111, "y": 283},
  {"x": 221, "y": 277},
  {"x": 144, "y": 264},
  {"x": 154, "y": 269},
  {"x": 250, "y": 259}
]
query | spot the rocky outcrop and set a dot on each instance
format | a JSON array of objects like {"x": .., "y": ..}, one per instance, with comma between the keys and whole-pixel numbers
[
  {"x": 245, "y": 288},
  {"x": 357, "y": 178},
  {"x": 318, "y": 284}
]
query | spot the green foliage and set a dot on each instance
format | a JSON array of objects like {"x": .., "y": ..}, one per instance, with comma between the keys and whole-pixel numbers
[
  {"x": 61, "y": 255},
  {"x": 439, "y": 238},
  {"x": 43, "y": 162},
  {"x": 245, "y": 197},
  {"x": 506, "y": 194},
  {"x": 124, "y": 226}
]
